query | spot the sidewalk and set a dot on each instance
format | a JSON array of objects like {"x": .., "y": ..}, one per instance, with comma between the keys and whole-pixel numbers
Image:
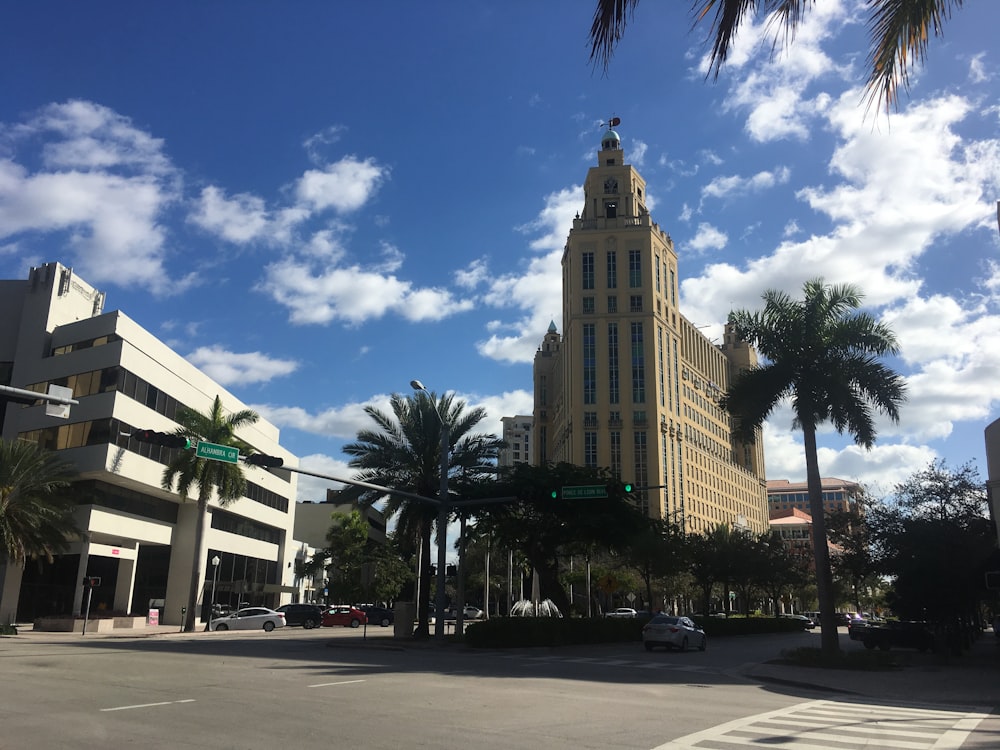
[{"x": 972, "y": 679}]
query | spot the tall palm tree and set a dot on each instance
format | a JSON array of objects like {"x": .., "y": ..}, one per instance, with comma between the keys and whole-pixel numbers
[
  {"x": 225, "y": 479},
  {"x": 899, "y": 29},
  {"x": 404, "y": 452},
  {"x": 36, "y": 511},
  {"x": 822, "y": 354}
]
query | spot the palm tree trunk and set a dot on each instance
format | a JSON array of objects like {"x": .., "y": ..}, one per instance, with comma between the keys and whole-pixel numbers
[
  {"x": 829, "y": 639},
  {"x": 423, "y": 601},
  {"x": 196, "y": 580}
]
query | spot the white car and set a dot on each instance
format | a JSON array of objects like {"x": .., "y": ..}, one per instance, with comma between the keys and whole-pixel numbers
[
  {"x": 250, "y": 618},
  {"x": 473, "y": 613},
  {"x": 673, "y": 632},
  {"x": 622, "y": 612}
]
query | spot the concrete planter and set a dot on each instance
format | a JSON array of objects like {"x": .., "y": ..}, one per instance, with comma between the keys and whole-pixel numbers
[
  {"x": 129, "y": 623},
  {"x": 73, "y": 625}
]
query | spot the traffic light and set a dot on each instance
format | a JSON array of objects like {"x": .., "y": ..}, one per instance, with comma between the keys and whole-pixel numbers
[
  {"x": 166, "y": 439},
  {"x": 92, "y": 582},
  {"x": 555, "y": 494},
  {"x": 260, "y": 459},
  {"x": 628, "y": 487}
]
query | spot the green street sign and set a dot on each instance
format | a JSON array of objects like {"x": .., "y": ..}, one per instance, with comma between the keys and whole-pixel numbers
[
  {"x": 218, "y": 452},
  {"x": 584, "y": 492}
]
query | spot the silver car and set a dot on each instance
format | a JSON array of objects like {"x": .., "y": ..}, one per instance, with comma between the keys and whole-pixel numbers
[
  {"x": 250, "y": 618},
  {"x": 673, "y": 632}
]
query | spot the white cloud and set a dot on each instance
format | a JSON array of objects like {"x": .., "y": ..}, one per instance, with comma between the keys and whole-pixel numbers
[
  {"x": 313, "y": 489},
  {"x": 343, "y": 186},
  {"x": 240, "y": 219},
  {"x": 100, "y": 192},
  {"x": 725, "y": 187},
  {"x": 231, "y": 368},
  {"x": 707, "y": 238},
  {"x": 352, "y": 294},
  {"x": 637, "y": 152}
]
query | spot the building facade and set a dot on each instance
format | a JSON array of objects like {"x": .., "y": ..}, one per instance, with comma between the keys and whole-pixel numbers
[
  {"x": 137, "y": 537},
  {"x": 838, "y": 495},
  {"x": 631, "y": 384},
  {"x": 517, "y": 438}
]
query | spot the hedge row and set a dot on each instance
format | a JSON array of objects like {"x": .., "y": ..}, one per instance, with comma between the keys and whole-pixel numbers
[{"x": 512, "y": 632}]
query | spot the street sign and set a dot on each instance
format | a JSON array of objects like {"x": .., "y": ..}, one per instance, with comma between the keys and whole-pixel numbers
[
  {"x": 584, "y": 492},
  {"x": 218, "y": 452}
]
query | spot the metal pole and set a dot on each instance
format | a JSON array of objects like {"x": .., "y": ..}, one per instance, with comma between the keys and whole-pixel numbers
[
  {"x": 215, "y": 577},
  {"x": 442, "y": 540}
]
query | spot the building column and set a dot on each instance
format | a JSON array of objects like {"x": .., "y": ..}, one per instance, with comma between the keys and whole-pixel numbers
[
  {"x": 125, "y": 585},
  {"x": 81, "y": 572},
  {"x": 10, "y": 590}
]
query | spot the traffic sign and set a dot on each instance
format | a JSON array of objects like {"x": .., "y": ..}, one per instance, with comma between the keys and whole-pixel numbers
[
  {"x": 584, "y": 492},
  {"x": 218, "y": 452}
]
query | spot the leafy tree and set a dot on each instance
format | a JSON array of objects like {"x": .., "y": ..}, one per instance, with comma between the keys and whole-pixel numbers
[
  {"x": 933, "y": 538},
  {"x": 226, "y": 480},
  {"x": 900, "y": 30},
  {"x": 547, "y": 529},
  {"x": 655, "y": 553},
  {"x": 347, "y": 541},
  {"x": 36, "y": 513},
  {"x": 822, "y": 354},
  {"x": 403, "y": 453}
]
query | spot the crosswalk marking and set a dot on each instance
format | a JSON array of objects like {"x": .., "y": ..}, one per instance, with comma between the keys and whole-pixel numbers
[{"x": 826, "y": 724}]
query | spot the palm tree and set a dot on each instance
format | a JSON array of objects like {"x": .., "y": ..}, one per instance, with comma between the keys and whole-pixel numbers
[
  {"x": 404, "y": 453},
  {"x": 36, "y": 514},
  {"x": 899, "y": 30},
  {"x": 225, "y": 479},
  {"x": 821, "y": 353}
]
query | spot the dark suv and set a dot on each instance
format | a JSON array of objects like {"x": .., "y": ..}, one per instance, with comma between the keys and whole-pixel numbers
[
  {"x": 308, "y": 616},
  {"x": 378, "y": 615}
]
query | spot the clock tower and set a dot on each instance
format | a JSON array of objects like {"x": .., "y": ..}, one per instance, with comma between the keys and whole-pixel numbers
[{"x": 631, "y": 384}]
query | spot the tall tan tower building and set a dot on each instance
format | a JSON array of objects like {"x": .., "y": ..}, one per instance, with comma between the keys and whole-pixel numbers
[{"x": 631, "y": 384}]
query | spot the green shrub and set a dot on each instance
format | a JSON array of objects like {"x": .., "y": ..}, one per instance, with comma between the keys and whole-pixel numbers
[
  {"x": 7, "y": 629},
  {"x": 716, "y": 627},
  {"x": 512, "y": 632}
]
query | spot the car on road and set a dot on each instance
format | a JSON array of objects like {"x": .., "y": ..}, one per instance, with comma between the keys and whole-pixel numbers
[
  {"x": 344, "y": 616},
  {"x": 378, "y": 615},
  {"x": 898, "y": 633},
  {"x": 673, "y": 632},
  {"x": 472, "y": 613},
  {"x": 807, "y": 622},
  {"x": 621, "y": 612},
  {"x": 249, "y": 618},
  {"x": 309, "y": 616}
]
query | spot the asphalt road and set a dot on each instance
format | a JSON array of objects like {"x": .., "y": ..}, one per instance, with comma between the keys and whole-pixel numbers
[{"x": 293, "y": 688}]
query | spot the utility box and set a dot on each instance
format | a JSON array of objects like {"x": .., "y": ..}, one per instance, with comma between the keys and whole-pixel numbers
[{"x": 404, "y": 614}]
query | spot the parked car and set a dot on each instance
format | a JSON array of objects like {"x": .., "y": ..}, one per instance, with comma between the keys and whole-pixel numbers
[
  {"x": 856, "y": 629},
  {"x": 378, "y": 615},
  {"x": 472, "y": 613},
  {"x": 846, "y": 618},
  {"x": 899, "y": 633},
  {"x": 807, "y": 622},
  {"x": 621, "y": 612},
  {"x": 249, "y": 618},
  {"x": 673, "y": 632},
  {"x": 309, "y": 616},
  {"x": 344, "y": 616}
]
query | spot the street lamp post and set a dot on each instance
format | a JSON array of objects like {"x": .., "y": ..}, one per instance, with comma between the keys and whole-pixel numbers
[
  {"x": 215, "y": 578},
  {"x": 442, "y": 521}
]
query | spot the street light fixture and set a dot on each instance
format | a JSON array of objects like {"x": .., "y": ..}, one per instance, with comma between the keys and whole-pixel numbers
[
  {"x": 215, "y": 578},
  {"x": 442, "y": 520}
]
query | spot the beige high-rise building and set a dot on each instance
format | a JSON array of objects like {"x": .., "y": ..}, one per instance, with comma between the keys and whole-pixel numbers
[{"x": 631, "y": 384}]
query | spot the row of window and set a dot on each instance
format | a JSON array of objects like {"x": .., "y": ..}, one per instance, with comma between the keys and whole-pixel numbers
[
  {"x": 116, "y": 432},
  {"x": 634, "y": 304},
  {"x": 634, "y": 269},
  {"x": 110, "y": 338}
]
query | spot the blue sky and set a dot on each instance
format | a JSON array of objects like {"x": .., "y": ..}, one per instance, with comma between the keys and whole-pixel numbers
[{"x": 317, "y": 202}]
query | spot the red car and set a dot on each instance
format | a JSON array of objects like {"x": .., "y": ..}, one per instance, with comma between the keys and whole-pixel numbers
[{"x": 344, "y": 616}]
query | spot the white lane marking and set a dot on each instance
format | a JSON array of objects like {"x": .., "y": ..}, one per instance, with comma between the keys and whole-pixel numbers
[
  {"x": 147, "y": 705},
  {"x": 817, "y": 724},
  {"x": 328, "y": 684}
]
